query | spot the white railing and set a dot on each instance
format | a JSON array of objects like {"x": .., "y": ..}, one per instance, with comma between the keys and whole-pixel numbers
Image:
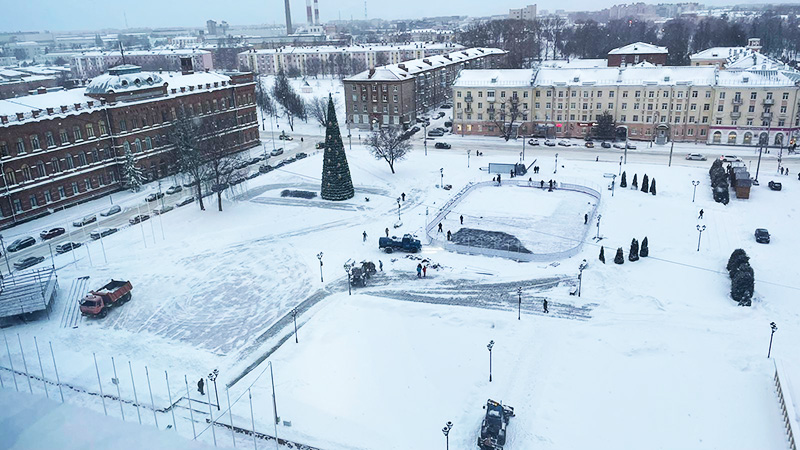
[
  {"x": 510, "y": 252},
  {"x": 787, "y": 405}
]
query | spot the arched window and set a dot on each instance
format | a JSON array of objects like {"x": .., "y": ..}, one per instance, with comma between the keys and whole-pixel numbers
[
  {"x": 81, "y": 159},
  {"x": 717, "y": 138},
  {"x": 68, "y": 161},
  {"x": 55, "y": 166},
  {"x": 137, "y": 145},
  {"x": 11, "y": 178},
  {"x": 732, "y": 137},
  {"x": 126, "y": 147},
  {"x": 748, "y": 138},
  {"x": 148, "y": 143},
  {"x": 779, "y": 139},
  {"x": 763, "y": 138},
  {"x": 40, "y": 170},
  {"x": 26, "y": 173}
]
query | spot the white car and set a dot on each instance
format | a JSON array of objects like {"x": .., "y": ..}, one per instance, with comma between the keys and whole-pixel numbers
[
  {"x": 564, "y": 143},
  {"x": 163, "y": 209},
  {"x": 619, "y": 145},
  {"x": 730, "y": 158},
  {"x": 550, "y": 143},
  {"x": 695, "y": 157},
  {"x": 533, "y": 142}
]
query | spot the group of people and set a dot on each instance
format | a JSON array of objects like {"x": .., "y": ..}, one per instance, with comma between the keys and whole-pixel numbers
[{"x": 422, "y": 271}]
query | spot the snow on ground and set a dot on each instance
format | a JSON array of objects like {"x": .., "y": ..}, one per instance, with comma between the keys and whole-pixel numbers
[{"x": 664, "y": 359}]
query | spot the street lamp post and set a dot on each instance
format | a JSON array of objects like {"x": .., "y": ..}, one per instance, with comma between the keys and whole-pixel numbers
[
  {"x": 294, "y": 317},
  {"x": 441, "y": 176},
  {"x": 774, "y": 329},
  {"x": 5, "y": 253},
  {"x": 620, "y": 166},
  {"x": 347, "y": 273},
  {"x": 398, "y": 209},
  {"x": 700, "y": 229},
  {"x": 213, "y": 377},
  {"x": 491, "y": 344},
  {"x": 599, "y": 216},
  {"x": 319, "y": 257},
  {"x": 695, "y": 184},
  {"x": 468, "y": 153},
  {"x": 768, "y": 117},
  {"x": 425, "y": 137},
  {"x": 580, "y": 275},
  {"x": 446, "y": 430},
  {"x": 523, "y": 148},
  {"x": 519, "y": 303},
  {"x": 556, "y": 168}
]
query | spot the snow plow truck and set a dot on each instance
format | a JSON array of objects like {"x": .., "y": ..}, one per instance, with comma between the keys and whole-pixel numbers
[{"x": 493, "y": 428}]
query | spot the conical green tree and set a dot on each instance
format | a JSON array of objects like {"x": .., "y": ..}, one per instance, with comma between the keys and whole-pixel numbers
[
  {"x": 624, "y": 182},
  {"x": 635, "y": 182},
  {"x": 619, "y": 258},
  {"x": 645, "y": 184},
  {"x": 653, "y": 186},
  {"x": 633, "y": 255},
  {"x": 645, "y": 250},
  {"x": 337, "y": 184},
  {"x": 602, "y": 255}
]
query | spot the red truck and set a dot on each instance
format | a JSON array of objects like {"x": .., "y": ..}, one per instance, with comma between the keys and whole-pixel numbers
[{"x": 97, "y": 303}]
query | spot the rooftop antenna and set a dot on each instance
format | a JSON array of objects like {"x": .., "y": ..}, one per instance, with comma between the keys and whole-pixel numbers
[
  {"x": 365, "y": 9},
  {"x": 122, "y": 52},
  {"x": 125, "y": 16}
]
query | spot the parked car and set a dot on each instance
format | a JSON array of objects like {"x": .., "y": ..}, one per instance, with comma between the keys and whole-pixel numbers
[
  {"x": 154, "y": 196},
  {"x": 252, "y": 175},
  {"x": 163, "y": 209},
  {"x": 51, "y": 233},
  {"x": 241, "y": 165},
  {"x": 21, "y": 243},
  {"x": 630, "y": 146},
  {"x": 533, "y": 142},
  {"x": 564, "y": 143},
  {"x": 219, "y": 187},
  {"x": 730, "y": 158},
  {"x": 695, "y": 157},
  {"x": 185, "y": 200},
  {"x": 435, "y": 133},
  {"x": 111, "y": 211},
  {"x": 276, "y": 152},
  {"x": 174, "y": 190},
  {"x": 102, "y": 232},
  {"x": 28, "y": 262},
  {"x": 440, "y": 115},
  {"x": 85, "y": 221},
  {"x": 619, "y": 145},
  {"x": 589, "y": 144},
  {"x": 762, "y": 236},
  {"x": 285, "y": 137},
  {"x": 605, "y": 144},
  {"x": 319, "y": 145},
  {"x": 255, "y": 160},
  {"x": 550, "y": 143},
  {"x": 138, "y": 218},
  {"x": 415, "y": 128},
  {"x": 448, "y": 124},
  {"x": 301, "y": 155},
  {"x": 444, "y": 145},
  {"x": 265, "y": 168},
  {"x": 775, "y": 186},
  {"x": 447, "y": 106},
  {"x": 67, "y": 247}
]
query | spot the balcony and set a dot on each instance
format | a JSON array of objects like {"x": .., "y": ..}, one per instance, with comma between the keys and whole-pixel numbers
[
  {"x": 766, "y": 116},
  {"x": 737, "y": 100},
  {"x": 490, "y": 99},
  {"x": 468, "y": 99},
  {"x": 769, "y": 101},
  {"x": 735, "y": 115}
]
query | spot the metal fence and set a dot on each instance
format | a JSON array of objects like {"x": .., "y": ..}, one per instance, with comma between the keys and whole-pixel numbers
[{"x": 787, "y": 406}]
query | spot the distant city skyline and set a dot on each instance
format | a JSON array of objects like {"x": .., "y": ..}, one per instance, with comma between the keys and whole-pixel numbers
[{"x": 92, "y": 16}]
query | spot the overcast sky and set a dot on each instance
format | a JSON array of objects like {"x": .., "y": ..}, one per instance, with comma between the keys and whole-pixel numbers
[{"x": 63, "y": 15}]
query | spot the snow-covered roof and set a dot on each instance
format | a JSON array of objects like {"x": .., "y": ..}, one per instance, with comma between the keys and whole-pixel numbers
[
  {"x": 123, "y": 78},
  {"x": 360, "y": 48},
  {"x": 755, "y": 60},
  {"x": 757, "y": 78},
  {"x": 627, "y": 76},
  {"x": 644, "y": 64},
  {"x": 576, "y": 63},
  {"x": 638, "y": 48},
  {"x": 719, "y": 53},
  {"x": 408, "y": 69},
  {"x": 494, "y": 77},
  {"x": 154, "y": 52}
]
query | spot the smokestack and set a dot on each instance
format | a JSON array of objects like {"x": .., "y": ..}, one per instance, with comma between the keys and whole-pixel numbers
[
  {"x": 316, "y": 12},
  {"x": 288, "y": 17},
  {"x": 309, "y": 16}
]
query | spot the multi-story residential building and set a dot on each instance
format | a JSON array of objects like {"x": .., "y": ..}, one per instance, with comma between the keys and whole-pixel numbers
[
  {"x": 636, "y": 53},
  {"x": 721, "y": 57},
  {"x": 394, "y": 94},
  {"x": 62, "y": 148},
  {"x": 271, "y": 61},
  {"x": 87, "y": 65},
  {"x": 690, "y": 104},
  {"x": 525, "y": 13}
]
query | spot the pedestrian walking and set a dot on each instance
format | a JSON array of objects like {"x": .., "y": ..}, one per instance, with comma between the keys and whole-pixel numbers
[
  {"x": 462, "y": 219},
  {"x": 200, "y": 387},
  {"x": 387, "y": 231},
  {"x": 448, "y": 235},
  {"x": 597, "y": 159},
  {"x": 476, "y": 153},
  {"x": 541, "y": 184},
  {"x": 701, "y": 214},
  {"x": 494, "y": 179},
  {"x": 544, "y": 306},
  {"x": 419, "y": 270},
  {"x": 403, "y": 196},
  {"x": 365, "y": 236},
  {"x": 424, "y": 271},
  {"x": 529, "y": 181},
  {"x": 380, "y": 264},
  {"x": 440, "y": 227},
  {"x": 585, "y": 219},
  {"x": 498, "y": 179}
]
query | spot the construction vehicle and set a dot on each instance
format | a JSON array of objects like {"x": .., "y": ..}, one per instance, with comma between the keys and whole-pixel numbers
[
  {"x": 493, "y": 428},
  {"x": 408, "y": 244},
  {"x": 97, "y": 303}
]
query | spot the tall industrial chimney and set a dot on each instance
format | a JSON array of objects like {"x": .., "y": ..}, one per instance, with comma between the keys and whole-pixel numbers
[
  {"x": 288, "y": 18},
  {"x": 309, "y": 15},
  {"x": 316, "y": 12}
]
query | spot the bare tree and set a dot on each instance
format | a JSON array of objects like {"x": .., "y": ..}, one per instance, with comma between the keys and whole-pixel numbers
[
  {"x": 220, "y": 162},
  {"x": 506, "y": 117},
  {"x": 291, "y": 103},
  {"x": 313, "y": 67},
  {"x": 317, "y": 108},
  {"x": 186, "y": 136},
  {"x": 388, "y": 144}
]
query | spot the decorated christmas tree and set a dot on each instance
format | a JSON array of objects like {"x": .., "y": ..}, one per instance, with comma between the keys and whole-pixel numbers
[
  {"x": 130, "y": 173},
  {"x": 336, "y": 182}
]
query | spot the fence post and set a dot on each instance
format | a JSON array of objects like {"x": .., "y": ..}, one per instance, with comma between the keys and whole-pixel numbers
[
  {"x": 11, "y": 361},
  {"x": 24, "y": 364},
  {"x": 191, "y": 414},
  {"x": 116, "y": 382},
  {"x": 135, "y": 397},
  {"x": 230, "y": 416},
  {"x": 252, "y": 419},
  {"x": 171, "y": 406},
  {"x": 152, "y": 403},
  {"x": 102, "y": 397},
  {"x": 41, "y": 367},
  {"x": 211, "y": 415},
  {"x": 58, "y": 380}
]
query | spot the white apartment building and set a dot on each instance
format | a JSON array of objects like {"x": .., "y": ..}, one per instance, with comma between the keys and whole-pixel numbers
[{"x": 526, "y": 13}]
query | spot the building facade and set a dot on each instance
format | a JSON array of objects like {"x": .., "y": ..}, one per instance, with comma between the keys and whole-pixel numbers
[
  {"x": 271, "y": 61},
  {"x": 91, "y": 64},
  {"x": 394, "y": 94},
  {"x": 525, "y": 13},
  {"x": 661, "y": 104},
  {"x": 67, "y": 147},
  {"x": 636, "y": 53}
]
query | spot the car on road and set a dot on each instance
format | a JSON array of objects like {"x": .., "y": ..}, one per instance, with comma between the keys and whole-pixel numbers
[
  {"x": 435, "y": 133},
  {"x": 163, "y": 209},
  {"x": 730, "y": 158},
  {"x": 533, "y": 142},
  {"x": 138, "y": 219},
  {"x": 443, "y": 145},
  {"x": 51, "y": 233},
  {"x": 550, "y": 143},
  {"x": 619, "y": 145},
  {"x": 255, "y": 160},
  {"x": 762, "y": 236},
  {"x": 414, "y": 129},
  {"x": 67, "y": 247},
  {"x": 276, "y": 152},
  {"x": 285, "y": 137},
  {"x": 85, "y": 221},
  {"x": 695, "y": 157},
  {"x": 775, "y": 186},
  {"x": 605, "y": 144},
  {"x": 564, "y": 143},
  {"x": 252, "y": 175},
  {"x": 28, "y": 262},
  {"x": 265, "y": 168},
  {"x": 241, "y": 165},
  {"x": 440, "y": 115},
  {"x": 630, "y": 146},
  {"x": 185, "y": 200},
  {"x": 447, "y": 106},
  {"x": 448, "y": 124},
  {"x": 174, "y": 190},
  {"x": 111, "y": 211},
  {"x": 219, "y": 187},
  {"x": 154, "y": 196},
  {"x": 21, "y": 243},
  {"x": 589, "y": 144},
  {"x": 301, "y": 155},
  {"x": 101, "y": 232}
]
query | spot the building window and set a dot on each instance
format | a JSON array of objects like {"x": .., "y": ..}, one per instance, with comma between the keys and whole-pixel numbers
[
  {"x": 89, "y": 131},
  {"x": 61, "y": 192},
  {"x": 40, "y": 170},
  {"x": 137, "y": 145},
  {"x": 35, "y": 143},
  {"x": 103, "y": 129},
  {"x": 786, "y": 96},
  {"x": 76, "y": 132},
  {"x": 81, "y": 159},
  {"x": 148, "y": 143},
  {"x": 47, "y": 197},
  {"x": 720, "y": 108},
  {"x": 732, "y": 138},
  {"x": 75, "y": 187},
  {"x": 123, "y": 126},
  {"x": 20, "y": 146},
  {"x": 34, "y": 202},
  {"x": 748, "y": 138},
  {"x": 717, "y": 137},
  {"x": 753, "y": 95},
  {"x": 11, "y": 178},
  {"x": 17, "y": 205},
  {"x": 69, "y": 162},
  {"x": 62, "y": 134},
  {"x": 3, "y": 149},
  {"x": 51, "y": 142},
  {"x": 55, "y": 166},
  {"x": 87, "y": 183},
  {"x": 26, "y": 173}
]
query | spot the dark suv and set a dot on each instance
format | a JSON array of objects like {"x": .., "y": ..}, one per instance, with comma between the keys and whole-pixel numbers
[
  {"x": 21, "y": 243},
  {"x": 762, "y": 236}
]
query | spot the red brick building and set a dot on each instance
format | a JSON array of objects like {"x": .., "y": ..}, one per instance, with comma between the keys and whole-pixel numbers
[
  {"x": 636, "y": 53},
  {"x": 62, "y": 148}
]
